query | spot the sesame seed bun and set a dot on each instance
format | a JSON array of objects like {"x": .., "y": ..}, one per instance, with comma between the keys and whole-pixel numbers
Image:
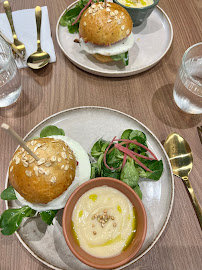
[
  {"x": 105, "y": 26},
  {"x": 44, "y": 180}
]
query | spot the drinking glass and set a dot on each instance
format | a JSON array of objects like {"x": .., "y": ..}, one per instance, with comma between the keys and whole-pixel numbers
[
  {"x": 187, "y": 91},
  {"x": 10, "y": 80}
]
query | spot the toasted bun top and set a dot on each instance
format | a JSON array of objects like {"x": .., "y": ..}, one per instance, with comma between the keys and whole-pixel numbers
[
  {"x": 105, "y": 26},
  {"x": 44, "y": 180}
]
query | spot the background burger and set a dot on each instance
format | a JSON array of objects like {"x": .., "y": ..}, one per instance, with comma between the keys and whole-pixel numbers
[
  {"x": 106, "y": 33},
  {"x": 44, "y": 186}
]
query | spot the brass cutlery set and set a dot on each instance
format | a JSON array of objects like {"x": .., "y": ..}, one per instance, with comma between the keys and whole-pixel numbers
[{"x": 36, "y": 60}]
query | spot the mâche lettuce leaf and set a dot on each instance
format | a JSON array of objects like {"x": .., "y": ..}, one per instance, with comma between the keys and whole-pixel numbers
[
  {"x": 48, "y": 216},
  {"x": 99, "y": 148},
  {"x": 50, "y": 131},
  {"x": 129, "y": 174},
  {"x": 8, "y": 194},
  {"x": 138, "y": 191},
  {"x": 122, "y": 56},
  {"x": 11, "y": 219}
]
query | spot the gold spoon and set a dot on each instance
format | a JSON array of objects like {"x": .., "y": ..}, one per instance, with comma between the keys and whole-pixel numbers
[
  {"x": 40, "y": 58},
  {"x": 181, "y": 159},
  {"x": 20, "y": 46}
]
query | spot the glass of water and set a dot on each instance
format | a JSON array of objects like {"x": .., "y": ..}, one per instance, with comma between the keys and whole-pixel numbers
[
  {"x": 10, "y": 80},
  {"x": 187, "y": 91}
]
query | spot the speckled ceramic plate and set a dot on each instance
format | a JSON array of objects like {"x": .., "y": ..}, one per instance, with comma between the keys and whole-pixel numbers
[
  {"x": 152, "y": 41},
  {"x": 86, "y": 125}
]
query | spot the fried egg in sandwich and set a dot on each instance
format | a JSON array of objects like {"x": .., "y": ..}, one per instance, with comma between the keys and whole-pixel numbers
[
  {"x": 106, "y": 32},
  {"x": 47, "y": 183}
]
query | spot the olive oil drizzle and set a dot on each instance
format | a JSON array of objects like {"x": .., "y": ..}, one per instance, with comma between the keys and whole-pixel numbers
[
  {"x": 132, "y": 235},
  {"x": 74, "y": 234},
  {"x": 109, "y": 242},
  {"x": 119, "y": 209},
  {"x": 81, "y": 213},
  {"x": 130, "y": 3},
  {"x": 93, "y": 197}
]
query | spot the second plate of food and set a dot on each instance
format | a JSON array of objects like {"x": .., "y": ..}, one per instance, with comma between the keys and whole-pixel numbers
[{"x": 152, "y": 41}]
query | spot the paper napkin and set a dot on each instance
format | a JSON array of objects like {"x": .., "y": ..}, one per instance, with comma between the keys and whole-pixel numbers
[{"x": 25, "y": 27}]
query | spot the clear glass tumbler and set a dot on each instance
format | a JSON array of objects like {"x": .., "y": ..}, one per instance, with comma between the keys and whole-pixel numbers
[
  {"x": 10, "y": 80},
  {"x": 187, "y": 91}
]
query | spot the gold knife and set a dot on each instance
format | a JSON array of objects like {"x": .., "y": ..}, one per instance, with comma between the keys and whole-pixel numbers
[{"x": 14, "y": 48}]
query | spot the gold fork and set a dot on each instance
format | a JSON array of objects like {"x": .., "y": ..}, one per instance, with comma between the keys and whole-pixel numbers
[
  {"x": 20, "y": 46},
  {"x": 12, "y": 45}
]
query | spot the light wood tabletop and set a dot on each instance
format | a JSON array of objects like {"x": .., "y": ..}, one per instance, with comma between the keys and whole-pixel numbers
[{"x": 146, "y": 96}]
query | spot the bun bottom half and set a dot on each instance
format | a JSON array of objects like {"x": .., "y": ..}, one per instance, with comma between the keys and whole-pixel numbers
[{"x": 103, "y": 58}]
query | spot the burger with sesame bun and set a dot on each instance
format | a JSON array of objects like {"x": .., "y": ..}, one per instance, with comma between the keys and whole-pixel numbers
[
  {"x": 44, "y": 185},
  {"x": 106, "y": 33}
]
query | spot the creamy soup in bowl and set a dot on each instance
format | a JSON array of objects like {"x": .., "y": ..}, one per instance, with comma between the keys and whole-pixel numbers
[
  {"x": 136, "y": 3},
  {"x": 104, "y": 223}
]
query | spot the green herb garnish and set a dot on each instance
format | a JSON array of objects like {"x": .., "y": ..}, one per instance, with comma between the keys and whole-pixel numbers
[
  {"x": 50, "y": 131},
  {"x": 11, "y": 219},
  {"x": 122, "y": 56},
  {"x": 8, "y": 194},
  {"x": 48, "y": 216}
]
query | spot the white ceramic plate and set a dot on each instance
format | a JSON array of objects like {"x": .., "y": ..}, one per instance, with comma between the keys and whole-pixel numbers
[
  {"x": 152, "y": 41},
  {"x": 86, "y": 125}
]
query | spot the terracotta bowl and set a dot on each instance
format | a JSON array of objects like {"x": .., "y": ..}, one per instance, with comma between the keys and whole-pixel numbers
[{"x": 130, "y": 252}]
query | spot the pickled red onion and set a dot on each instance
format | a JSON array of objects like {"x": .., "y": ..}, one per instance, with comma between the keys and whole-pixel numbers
[
  {"x": 137, "y": 143},
  {"x": 128, "y": 152},
  {"x": 82, "y": 12}
]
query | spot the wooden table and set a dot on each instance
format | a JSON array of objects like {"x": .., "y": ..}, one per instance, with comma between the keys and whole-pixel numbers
[{"x": 147, "y": 97}]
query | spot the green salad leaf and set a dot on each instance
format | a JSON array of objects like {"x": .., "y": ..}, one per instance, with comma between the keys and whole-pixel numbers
[
  {"x": 137, "y": 135},
  {"x": 71, "y": 15},
  {"x": 122, "y": 56},
  {"x": 132, "y": 171},
  {"x": 156, "y": 166},
  {"x": 8, "y": 194},
  {"x": 11, "y": 219},
  {"x": 95, "y": 171},
  {"x": 51, "y": 130},
  {"x": 99, "y": 148},
  {"x": 138, "y": 191},
  {"x": 129, "y": 173},
  {"x": 48, "y": 216},
  {"x": 115, "y": 158},
  {"x": 105, "y": 172},
  {"x": 126, "y": 134}
]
